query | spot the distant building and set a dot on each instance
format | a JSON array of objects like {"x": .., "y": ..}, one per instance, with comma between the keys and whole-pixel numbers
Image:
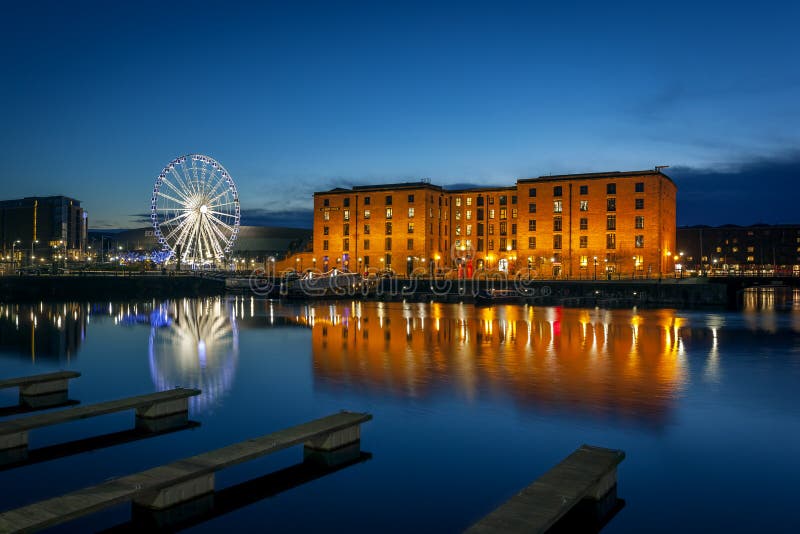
[
  {"x": 43, "y": 227},
  {"x": 253, "y": 242},
  {"x": 760, "y": 248},
  {"x": 575, "y": 226}
]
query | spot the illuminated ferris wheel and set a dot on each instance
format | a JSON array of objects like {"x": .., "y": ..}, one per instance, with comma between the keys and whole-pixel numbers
[{"x": 195, "y": 210}]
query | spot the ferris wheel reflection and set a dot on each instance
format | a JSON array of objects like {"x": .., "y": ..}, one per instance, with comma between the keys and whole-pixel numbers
[{"x": 194, "y": 343}]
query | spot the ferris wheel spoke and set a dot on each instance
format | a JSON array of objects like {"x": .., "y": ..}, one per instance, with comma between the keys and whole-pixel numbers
[
  {"x": 163, "y": 194},
  {"x": 180, "y": 193},
  {"x": 219, "y": 222},
  {"x": 189, "y": 180},
  {"x": 176, "y": 218},
  {"x": 210, "y": 239},
  {"x": 185, "y": 185},
  {"x": 219, "y": 233},
  {"x": 185, "y": 232},
  {"x": 175, "y": 230}
]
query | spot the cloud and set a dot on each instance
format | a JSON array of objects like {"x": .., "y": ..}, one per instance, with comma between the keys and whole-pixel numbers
[
  {"x": 294, "y": 218},
  {"x": 764, "y": 189}
]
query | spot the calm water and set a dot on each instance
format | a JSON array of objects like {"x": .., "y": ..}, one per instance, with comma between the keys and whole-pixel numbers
[{"x": 470, "y": 404}]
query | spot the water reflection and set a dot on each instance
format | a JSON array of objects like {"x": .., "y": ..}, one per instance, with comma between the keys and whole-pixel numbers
[
  {"x": 616, "y": 364},
  {"x": 53, "y": 332},
  {"x": 194, "y": 343}
]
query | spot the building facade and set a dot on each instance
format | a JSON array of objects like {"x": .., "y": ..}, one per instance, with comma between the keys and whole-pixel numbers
[
  {"x": 732, "y": 249},
  {"x": 43, "y": 227},
  {"x": 618, "y": 224}
]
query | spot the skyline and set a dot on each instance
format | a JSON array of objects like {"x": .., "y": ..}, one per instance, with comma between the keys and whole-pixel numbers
[{"x": 297, "y": 99}]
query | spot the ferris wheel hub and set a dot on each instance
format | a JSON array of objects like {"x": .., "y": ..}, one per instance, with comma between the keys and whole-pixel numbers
[{"x": 203, "y": 208}]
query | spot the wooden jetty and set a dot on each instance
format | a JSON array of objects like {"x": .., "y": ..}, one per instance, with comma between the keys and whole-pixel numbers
[
  {"x": 588, "y": 474},
  {"x": 184, "y": 480},
  {"x": 154, "y": 410},
  {"x": 42, "y": 390}
]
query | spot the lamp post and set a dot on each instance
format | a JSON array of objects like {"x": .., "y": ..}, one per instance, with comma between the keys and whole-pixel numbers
[
  {"x": 34, "y": 242},
  {"x": 595, "y": 267},
  {"x": 13, "y": 254}
]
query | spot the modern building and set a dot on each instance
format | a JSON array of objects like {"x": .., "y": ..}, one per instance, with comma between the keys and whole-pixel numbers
[
  {"x": 42, "y": 227},
  {"x": 732, "y": 249},
  {"x": 255, "y": 243},
  {"x": 572, "y": 226}
]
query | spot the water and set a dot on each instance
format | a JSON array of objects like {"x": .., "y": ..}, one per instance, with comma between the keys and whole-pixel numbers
[{"x": 469, "y": 404}]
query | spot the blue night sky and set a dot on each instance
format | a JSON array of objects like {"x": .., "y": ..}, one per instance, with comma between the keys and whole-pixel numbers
[{"x": 295, "y": 97}]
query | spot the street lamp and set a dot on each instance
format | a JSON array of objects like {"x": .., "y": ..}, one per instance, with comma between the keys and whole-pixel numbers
[
  {"x": 595, "y": 267},
  {"x": 13, "y": 255},
  {"x": 34, "y": 242}
]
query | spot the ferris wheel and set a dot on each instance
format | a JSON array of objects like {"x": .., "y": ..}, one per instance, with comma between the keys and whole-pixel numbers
[{"x": 195, "y": 210}]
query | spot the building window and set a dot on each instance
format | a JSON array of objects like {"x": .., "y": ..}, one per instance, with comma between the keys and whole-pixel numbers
[
  {"x": 469, "y": 201},
  {"x": 458, "y": 229},
  {"x": 388, "y": 213},
  {"x": 584, "y": 223},
  {"x": 532, "y": 192},
  {"x": 611, "y": 204},
  {"x": 513, "y": 228},
  {"x": 458, "y": 201},
  {"x": 326, "y": 216},
  {"x": 611, "y": 241},
  {"x": 639, "y": 187},
  {"x": 324, "y": 244},
  {"x": 480, "y": 228},
  {"x": 346, "y": 214},
  {"x": 531, "y": 242},
  {"x": 366, "y": 201},
  {"x": 584, "y": 190},
  {"x": 751, "y": 249},
  {"x": 611, "y": 222},
  {"x": 388, "y": 243},
  {"x": 513, "y": 244},
  {"x": 410, "y": 244},
  {"x": 388, "y": 229},
  {"x": 366, "y": 244},
  {"x": 326, "y": 230},
  {"x": 346, "y": 244},
  {"x": 584, "y": 241},
  {"x": 388, "y": 200},
  {"x": 346, "y": 202},
  {"x": 513, "y": 213},
  {"x": 611, "y": 189},
  {"x": 557, "y": 206},
  {"x": 480, "y": 201},
  {"x": 557, "y": 191},
  {"x": 639, "y": 222},
  {"x": 491, "y": 244},
  {"x": 411, "y": 228},
  {"x": 469, "y": 215},
  {"x": 503, "y": 200},
  {"x": 326, "y": 202},
  {"x": 532, "y": 207},
  {"x": 491, "y": 200},
  {"x": 366, "y": 229},
  {"x": 532, "y": 225},
  {"x": 366, "y": 214},
  {"x": 750, "y": 258},
  {"x": 503, "y": 242},
  {"x": 469, "y": 229},
  {"x": 410, "y": 213},
  {"x": 584, "y": 261},
  {"x": 639, "y": 203},
  {"x": 491, "y": 229},
  {"x": 556, "y": 224},
  {"x": 503, "y": 228},
  {"x": 410, "y": 199},
  {"x": 503, "y": 213},
  {"x": 584, "y": 205},
  {"x": 557, "y": 242},
  {"x": 639, "y": 240},
  {"x": 346, "y": 229}
]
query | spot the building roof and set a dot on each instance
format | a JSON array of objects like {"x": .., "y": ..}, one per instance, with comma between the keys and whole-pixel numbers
[
  {"x": 382, "y": 187},
  {"x": 594, "y": 176}
]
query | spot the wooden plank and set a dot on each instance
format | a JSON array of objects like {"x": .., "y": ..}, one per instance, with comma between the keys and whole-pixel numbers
[
  {"x": 92, "y": 410},
  {"x": 539, "y": 506},
  {"x": 85, "y": 501},
  {"x": 33, "y": 379}
]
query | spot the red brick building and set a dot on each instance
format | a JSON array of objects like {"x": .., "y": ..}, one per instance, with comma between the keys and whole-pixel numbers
[{"x": 570, "y": 226}]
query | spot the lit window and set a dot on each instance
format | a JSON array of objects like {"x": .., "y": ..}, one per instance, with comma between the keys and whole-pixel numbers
[
  {"x": 346, "y": 214},
  {"x": 326, "y": 216},
  {"x": 611, "y": 241},
  {"x": 366, "y": 214},
  {"x": 458, "y": 201},
  {"x": 469, "y": 201},
  {"x": 458, "y": 215},
  {"x": 584, "y": 205},
  {"x": 469, "y": 215},
  {"x": 388, "y": 213},
  {"x": 557, "y": 206},
  {"x": 584, "y": 261},
  {"x": 410, "y": 211},
  {"x": 458, "y": 229},
  {"x": 469, "y": 229},
  {"x": 513, "y": 213},
  {"x": 411, "y": 228},
  {"x": 503, "y": 213}
]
